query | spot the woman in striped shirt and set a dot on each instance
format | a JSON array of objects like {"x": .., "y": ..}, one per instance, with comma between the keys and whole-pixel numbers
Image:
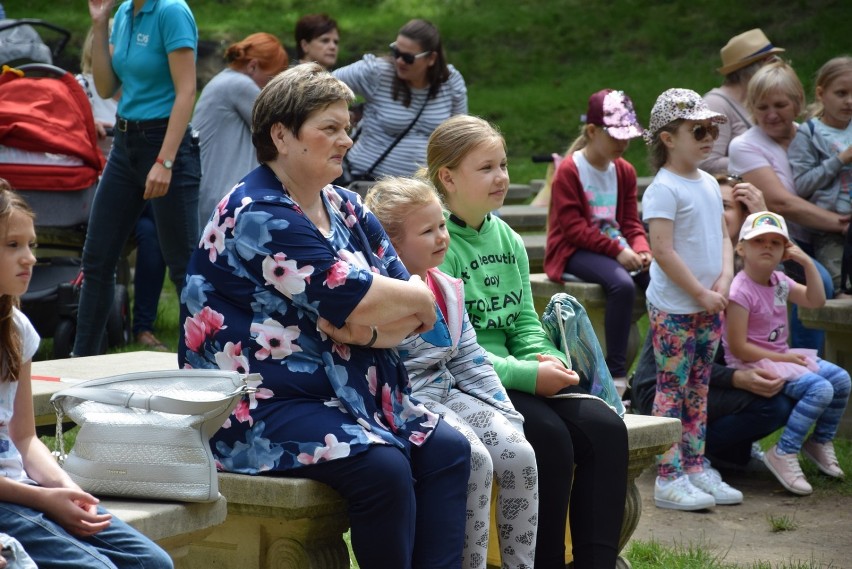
[{"x": 414, "y": 85}]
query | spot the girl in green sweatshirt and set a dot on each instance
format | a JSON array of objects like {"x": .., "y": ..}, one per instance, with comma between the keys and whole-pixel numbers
[{"x": 580, "y": 443}]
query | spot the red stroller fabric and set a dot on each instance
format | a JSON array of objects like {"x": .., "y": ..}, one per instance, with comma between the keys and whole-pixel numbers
[{"x": 48, "y": 115}]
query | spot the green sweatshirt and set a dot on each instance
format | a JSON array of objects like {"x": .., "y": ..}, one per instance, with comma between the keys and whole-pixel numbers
[{"x": 495, "y": 269}]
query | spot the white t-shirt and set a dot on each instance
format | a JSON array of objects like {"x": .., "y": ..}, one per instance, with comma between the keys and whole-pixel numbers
[
  {"x": 11, "y": 464},
  {"x": 753, "y": 150},
  {"x": 601, "y": 189},
  {"x": 695, "y": 208}
]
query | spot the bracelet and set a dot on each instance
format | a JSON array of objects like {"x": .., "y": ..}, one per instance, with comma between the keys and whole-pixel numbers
[{"x": 373, "y": 339}]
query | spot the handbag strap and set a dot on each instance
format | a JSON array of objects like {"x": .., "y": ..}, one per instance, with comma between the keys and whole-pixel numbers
[
  {"x": 393, "y": 144},
  {"x": 147, "y": 401}
]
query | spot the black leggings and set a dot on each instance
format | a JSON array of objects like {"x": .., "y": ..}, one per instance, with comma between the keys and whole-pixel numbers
[{"x": 586, "y": 434}]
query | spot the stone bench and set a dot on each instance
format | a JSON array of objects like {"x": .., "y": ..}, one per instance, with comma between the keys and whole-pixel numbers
[
  {"x": 534, "y": 244},
  {"x": 593, "y": 299},
  {"x": 274, "y": 522},
  {"x": 835, "y": 317},
  {"x": 524, "y": 218},
  {"x": 172, "y": 525}
]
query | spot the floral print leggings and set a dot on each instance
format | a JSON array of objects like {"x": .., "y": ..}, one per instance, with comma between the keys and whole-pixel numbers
[
  {"x": 495, "y": 447},
  {"x": 684, "y": 348}
]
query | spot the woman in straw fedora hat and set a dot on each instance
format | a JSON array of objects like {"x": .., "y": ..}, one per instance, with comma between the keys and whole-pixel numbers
[{"x": 742, "y": 56}]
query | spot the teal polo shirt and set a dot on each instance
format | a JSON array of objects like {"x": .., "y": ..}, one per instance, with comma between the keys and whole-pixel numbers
[{"x": 141, "y": 45}]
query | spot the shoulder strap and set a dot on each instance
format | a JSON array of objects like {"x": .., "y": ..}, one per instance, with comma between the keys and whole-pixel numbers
[
  {"x": 147, "y": 402},
  {"x": 393, "y": 144}
]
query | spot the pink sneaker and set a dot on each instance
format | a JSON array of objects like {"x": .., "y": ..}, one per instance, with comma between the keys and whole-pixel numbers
[
  {"x": 786, "y": 469},
  {"x": 823, "y": 456}
]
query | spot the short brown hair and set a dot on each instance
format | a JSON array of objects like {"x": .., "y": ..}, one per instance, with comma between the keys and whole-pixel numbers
[
  {"x": 290, "y": 98},
  {"x": 311, "y": 26}
]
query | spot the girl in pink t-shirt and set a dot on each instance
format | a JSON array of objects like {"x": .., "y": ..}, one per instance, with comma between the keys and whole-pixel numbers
[{"x": 756, "y": 336}]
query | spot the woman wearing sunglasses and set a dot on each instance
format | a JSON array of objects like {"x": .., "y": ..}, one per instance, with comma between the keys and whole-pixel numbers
[
  {"x": 775, "y": 98},
  {"x": 407, "y": 95}
]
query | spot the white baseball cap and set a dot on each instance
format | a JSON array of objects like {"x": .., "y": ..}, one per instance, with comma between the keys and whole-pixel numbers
[{"x": 761, "y": 223}]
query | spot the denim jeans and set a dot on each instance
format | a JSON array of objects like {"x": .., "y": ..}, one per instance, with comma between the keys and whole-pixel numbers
[
  {"x": 149, "y": 274},
  {"x": 117, "y": 206},
  {"x": 821, "y": 400},
  {"x": 51, "y": 547}
]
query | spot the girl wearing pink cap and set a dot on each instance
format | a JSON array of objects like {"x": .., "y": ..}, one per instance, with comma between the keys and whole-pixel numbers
[
  {"x": 595, "y": 233},
  {"x": 756, "y": 337}
]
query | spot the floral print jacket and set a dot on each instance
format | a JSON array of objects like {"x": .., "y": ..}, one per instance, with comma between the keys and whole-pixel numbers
[{"x": 255, "y": 286}]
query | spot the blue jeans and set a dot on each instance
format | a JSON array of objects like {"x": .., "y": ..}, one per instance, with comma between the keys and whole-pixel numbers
[
  {"x": 117, "y": 206},
  {"x": 822, "y": 398},
  {"x": 404, "y": 512},
  {"x": 51, "y": 547},
  {"x": 800, "y": 335},
  {"x": 149, "y": 274}
]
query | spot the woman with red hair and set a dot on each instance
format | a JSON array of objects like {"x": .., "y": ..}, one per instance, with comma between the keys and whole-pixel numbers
[{"x": 223, "y": 116}]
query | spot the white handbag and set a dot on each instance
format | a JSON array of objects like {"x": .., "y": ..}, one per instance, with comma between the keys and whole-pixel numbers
[{"x": 146, "y": 435}]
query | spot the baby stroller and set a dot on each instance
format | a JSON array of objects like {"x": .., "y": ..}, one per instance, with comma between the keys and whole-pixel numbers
[{"x": 49, "y": 153}]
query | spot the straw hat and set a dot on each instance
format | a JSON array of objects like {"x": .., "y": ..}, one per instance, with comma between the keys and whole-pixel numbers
[{"x": 744, "y": 49}]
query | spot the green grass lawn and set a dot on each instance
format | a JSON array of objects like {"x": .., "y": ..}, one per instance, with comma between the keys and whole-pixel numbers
[{"x": 531, "y": 66}]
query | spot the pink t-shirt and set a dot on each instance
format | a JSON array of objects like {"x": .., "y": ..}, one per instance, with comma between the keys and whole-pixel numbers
[{"x": 767, "y": 308}]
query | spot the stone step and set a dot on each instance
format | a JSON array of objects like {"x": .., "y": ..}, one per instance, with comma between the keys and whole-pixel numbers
[
  {"x": 524, "y": 218},
  {"x": 534, "y": 244}
]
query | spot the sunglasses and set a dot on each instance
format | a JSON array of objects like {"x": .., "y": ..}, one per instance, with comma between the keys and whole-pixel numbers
[
  {"x": 700, "y": 132},
  {"x": 732, "y": 179},
  {"x": 407, "y": 58}
]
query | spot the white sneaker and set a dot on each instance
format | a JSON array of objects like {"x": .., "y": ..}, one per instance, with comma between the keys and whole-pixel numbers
[
  {"x": 680, "y": 494},
  {"x": 710, "y": 481}
]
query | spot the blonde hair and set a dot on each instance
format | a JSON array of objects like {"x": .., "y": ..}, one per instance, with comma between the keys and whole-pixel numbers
[
  {"x": 452, "y": 141},
  {"x": 777, "y": 76},
  {"x": 827, "y": 74},
  {"x": 658, "y": 152},
  {"x": 393, "y": 198},
  {"x": 86, "y": 53},
  {"x": 581, "y": 141},
  {"x": 11, "y": 348},
  {"x": 265, "y": 48}
]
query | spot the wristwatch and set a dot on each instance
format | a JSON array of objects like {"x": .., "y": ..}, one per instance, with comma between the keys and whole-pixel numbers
[{"x": 167, "y": 164}]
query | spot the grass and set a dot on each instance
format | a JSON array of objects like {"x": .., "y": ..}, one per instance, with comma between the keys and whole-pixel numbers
[
  {"x": 701, "y": 555},
  {"x": 531, "y": 66},
  {"x": 781, "y": 523}
]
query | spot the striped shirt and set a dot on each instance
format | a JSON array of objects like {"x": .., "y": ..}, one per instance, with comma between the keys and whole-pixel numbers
[{"x": 384, "y": 119}]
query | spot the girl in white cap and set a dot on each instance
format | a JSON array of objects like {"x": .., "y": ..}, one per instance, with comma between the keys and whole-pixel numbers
[
  {"x": 756, "y": 337},
  {"x": 690, "y": 277}
]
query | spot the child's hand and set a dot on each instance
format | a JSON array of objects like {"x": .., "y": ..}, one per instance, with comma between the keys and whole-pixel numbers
[
  {"x": 76, "y": 512},
  {"x": 794, "y": 253},
  {"x": 846, "y": 155},
  {"x": 794, "y": 358},
  {"x": 646, "y": 257},
  {"x": 629, "y": 259},
  {"x": 553, "y": 376},
  {"x": 712, "y": 301}
]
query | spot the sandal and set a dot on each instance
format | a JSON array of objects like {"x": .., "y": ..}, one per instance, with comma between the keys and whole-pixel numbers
[{"x": 147, "y": 339}]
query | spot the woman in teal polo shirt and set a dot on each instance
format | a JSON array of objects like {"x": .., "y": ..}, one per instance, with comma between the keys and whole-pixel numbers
[{"x": 151, "y": 58}]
